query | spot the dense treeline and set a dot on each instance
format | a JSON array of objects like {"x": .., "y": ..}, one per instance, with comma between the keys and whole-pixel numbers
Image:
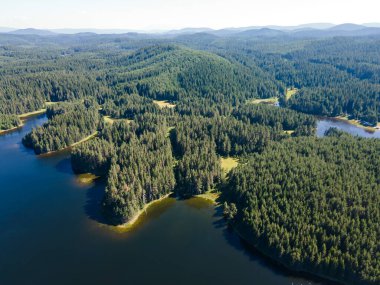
[
  {"x": 63, "y": 130},
  {"x": 336, "y": 76},
  {"x": 94, "y": 157},
  {"x": 169, "y": 72},
  {"x": 128, "y": 106},
  {"x": 230, "y": 136},
  {"x": 313, "y": 204},
  {"x": 333, "y": 101},
  {"x": 137, "y": 160},
  {"x": 198, "y": 142},
  {"x": 143, "y": 172},
  {"x": 9, "y": 121},
  {"x": 198, "y": 170},
  {"x": 285, "y": 119}
]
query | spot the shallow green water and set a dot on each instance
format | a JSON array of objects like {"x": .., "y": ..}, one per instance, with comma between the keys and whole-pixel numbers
[{"x": 50, "y": 233}]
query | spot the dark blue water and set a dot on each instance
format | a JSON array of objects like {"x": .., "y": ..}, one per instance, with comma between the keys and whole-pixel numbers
[{"x": 50, "y": 234}]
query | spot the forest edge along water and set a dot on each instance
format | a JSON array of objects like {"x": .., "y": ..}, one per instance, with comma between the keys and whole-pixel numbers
[
  {"x": 72, "y": 246},
  {"x": 85, "y": 225}
]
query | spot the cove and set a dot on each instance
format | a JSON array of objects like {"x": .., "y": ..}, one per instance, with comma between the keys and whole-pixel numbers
[
  {"x": 323, "y": 124},
  {"x": 51, "y": 233}
]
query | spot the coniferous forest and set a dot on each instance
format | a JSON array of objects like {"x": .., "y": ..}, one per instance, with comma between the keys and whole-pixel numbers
[
  {"x": 313, "y": 204},
  {"x": 154, "y": 116}
]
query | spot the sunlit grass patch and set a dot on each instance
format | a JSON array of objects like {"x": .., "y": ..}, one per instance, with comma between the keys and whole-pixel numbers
[
  {"x": 164, "y": 104},
  {"x": 228, "y": 163},
  {"x": 290, "y": 92},
  {"x": 269, "y": 101}
]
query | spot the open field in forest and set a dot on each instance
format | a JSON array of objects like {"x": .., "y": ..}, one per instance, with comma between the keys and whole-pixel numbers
[
  {"x": 270, "y": 101},
  {"x": 110, "y": 120},
  {"x": 290, "y": 92},
  {"x": 164, "y": 104},
  {"x": 228, "y": 163}
]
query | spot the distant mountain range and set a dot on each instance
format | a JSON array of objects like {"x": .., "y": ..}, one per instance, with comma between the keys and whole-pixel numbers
[
  {"x": 314, "y": 29},
  {"x": 31, "y": 31}
]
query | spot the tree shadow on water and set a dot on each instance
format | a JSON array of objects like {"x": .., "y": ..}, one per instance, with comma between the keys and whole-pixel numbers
[
  {"x": 64, "y": 166},
  {"x": 255, "y": 256},
  {"x": 94, "y": 200}
]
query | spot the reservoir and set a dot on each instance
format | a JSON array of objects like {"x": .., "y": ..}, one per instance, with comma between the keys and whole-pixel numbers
[
  {"x": 324, "y": 124},
  {"x": 51, "y": 232}
]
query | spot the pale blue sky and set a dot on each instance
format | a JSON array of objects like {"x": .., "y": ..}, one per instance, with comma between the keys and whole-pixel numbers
[{"x": 171, "y": 14}]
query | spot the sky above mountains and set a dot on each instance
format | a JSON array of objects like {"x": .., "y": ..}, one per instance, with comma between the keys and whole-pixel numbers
[{"x": 175, "y": 14}]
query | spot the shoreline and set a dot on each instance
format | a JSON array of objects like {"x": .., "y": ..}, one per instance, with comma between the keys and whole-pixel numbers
[
  {"x": 32, "y": 114},
  {"x": 209, "y": 196},
  {"x": 46, "y": 154},
  {"x": 3, "y": 132},
  {"x": 272, "y": 258},
  {"x": 134, "y": 221},
  {"x": 26, "y": 116},
  {"x": 355, "y": 123}
]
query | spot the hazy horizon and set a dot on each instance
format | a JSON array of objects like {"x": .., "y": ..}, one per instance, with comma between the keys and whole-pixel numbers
[{"x": 148, "y": 15}]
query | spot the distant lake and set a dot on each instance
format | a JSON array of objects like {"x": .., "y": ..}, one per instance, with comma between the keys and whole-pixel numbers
[
  {"x": 50, "y": 234},
  {"x": 325, "y": 123}
]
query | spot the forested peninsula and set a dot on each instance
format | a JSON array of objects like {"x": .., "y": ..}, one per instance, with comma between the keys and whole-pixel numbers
[{"x": 156, "y": 115}]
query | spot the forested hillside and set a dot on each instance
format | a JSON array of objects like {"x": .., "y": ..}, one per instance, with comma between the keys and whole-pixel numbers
[
  {"x": 160, "y": 112},
  {"x": 335, "y": 76},
  {"x": 313, "y": 204}
]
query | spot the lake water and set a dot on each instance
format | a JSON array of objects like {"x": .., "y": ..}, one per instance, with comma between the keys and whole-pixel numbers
[
  {"x": 50, "y": 233},
  {"x": 325, "y": 123}
]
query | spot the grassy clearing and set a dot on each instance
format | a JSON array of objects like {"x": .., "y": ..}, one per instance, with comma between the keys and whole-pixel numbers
[
  {"x": 47, "y": 103},
  {"x": 163, "y": 104},
  {"x": 86, "y": 178},
  {"x": 290, "y": 92},
  {"x": 228, "y": 163},
  {"x": 289, "y": 132},
  {"x": 110, "y": 120},
  {"x": 269, "y": 101}
]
